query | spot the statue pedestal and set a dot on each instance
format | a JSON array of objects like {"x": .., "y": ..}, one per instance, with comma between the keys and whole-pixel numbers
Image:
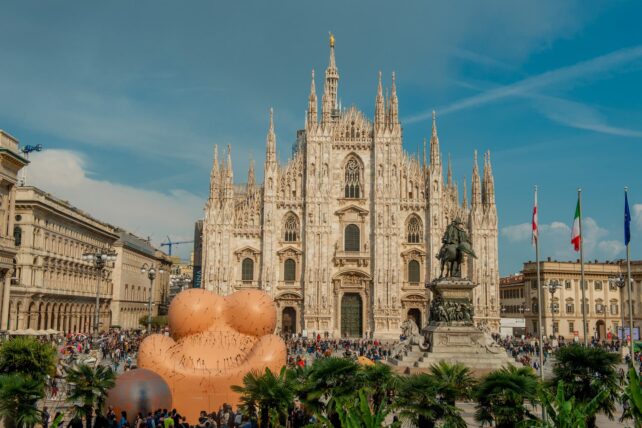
[{"x": 451, "y": 334}]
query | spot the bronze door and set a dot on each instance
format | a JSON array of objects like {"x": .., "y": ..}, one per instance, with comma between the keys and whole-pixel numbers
[
  {"x": 288, "y": 321},
  {"x": 351, "y": 315},
  {"x": 415, "y": 315}
]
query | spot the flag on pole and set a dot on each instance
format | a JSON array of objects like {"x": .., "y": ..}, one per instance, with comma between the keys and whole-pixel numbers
[
  {"x": 627, "y": 220},
  {"x": 534, "y": 237},
  {"x": 575, "y": 236}
]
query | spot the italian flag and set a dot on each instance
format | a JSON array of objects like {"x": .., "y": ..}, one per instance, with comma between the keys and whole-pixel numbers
[{"x": 575, "y": 236}]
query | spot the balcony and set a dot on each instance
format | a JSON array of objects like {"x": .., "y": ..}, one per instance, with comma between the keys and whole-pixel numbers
[{"x": 355, "y": 258}]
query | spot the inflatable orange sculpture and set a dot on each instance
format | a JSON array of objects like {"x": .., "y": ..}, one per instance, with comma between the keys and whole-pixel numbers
[{"x": 214, "y": 342}]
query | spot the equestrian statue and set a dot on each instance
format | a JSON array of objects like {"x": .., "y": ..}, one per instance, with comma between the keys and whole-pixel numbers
[{"x": 454, "y": 244}]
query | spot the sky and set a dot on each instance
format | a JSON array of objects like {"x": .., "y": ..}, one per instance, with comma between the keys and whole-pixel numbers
[{"x": 128, "y": 99}]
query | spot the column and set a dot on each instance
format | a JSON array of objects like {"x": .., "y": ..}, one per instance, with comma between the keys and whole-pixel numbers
[{"x": 6, "y": 288}]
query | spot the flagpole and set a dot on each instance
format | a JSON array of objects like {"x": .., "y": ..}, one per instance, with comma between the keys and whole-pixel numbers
[
  {"x": 582, "y": 285},
  {"x": 540, "y": 302},
  {"x": 628, "y": 285}
]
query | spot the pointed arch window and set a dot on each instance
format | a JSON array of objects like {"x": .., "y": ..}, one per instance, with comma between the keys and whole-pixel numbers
[
  {"x": 413, "y": 271},
  {"x": 247, "y": 269},
  {"x": 352, "y": 238},
  {"x": 353, "y": 179},
  {"x": 291, "y": 228},
  {"x": 289, "y": 270},
  {"x": 415, "y": 231}
]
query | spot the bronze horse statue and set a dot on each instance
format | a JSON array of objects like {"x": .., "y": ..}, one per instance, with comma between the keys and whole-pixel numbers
[{"x": 452, "y": 256}]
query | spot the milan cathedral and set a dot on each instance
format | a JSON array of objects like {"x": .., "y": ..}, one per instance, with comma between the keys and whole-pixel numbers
[{"x": 344, "y": 235}]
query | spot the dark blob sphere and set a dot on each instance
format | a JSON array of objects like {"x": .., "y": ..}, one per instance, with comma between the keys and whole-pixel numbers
[{"x": 139, "y": 390}]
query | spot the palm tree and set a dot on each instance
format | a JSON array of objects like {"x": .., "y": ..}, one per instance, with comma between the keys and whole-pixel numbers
[
  {"x": 359, "y": 413},
  {"x": 19, "y": 396},
  {"x": 29, "y": 357},
  {"x": 89, "y": 388},
  {"x": 381, "y": 381},
  {"x": 271, "y": 394},
  {"x": 565, "y": 413},
  {"x": 633, "y": 394},
  {"x": 418, "y": 399},
  {"x": 502, "y": 394},
  {"x": 455, "y": 381},
  {"x": 585, "y": 373},
  {"x": 330, "y": 380}
]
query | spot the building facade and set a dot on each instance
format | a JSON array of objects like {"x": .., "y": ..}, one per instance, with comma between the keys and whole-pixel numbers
[
  {"x": 130, "y": 301},
  {"x": 53, "y": 287},
  {"x": 512, "y": 307},
  {"x": 344, "y": 235},
  {"x": 11, "y": 162},
  {"x": 562, "y": 310}
]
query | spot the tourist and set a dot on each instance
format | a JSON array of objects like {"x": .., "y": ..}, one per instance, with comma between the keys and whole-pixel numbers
[
  {"x": 57, "y": 420},
  {"x": 75, "y": 422},
  {"x": 140, "y": 421},
  {"x": 122, "y": 423},
  {"x": 149, "y": 421},
  {"x": 45, "y": 417}
]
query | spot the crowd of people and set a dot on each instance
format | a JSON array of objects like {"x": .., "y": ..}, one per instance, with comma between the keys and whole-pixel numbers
[{"x": 304, "y": 350}]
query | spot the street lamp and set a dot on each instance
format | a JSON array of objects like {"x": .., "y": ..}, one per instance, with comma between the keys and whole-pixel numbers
[
  {"x": 620, "y": 282},
  {"x": 151, "y": 271},
  {"x": 553, "y": 285},
  {"x": 99, "y": 258}
]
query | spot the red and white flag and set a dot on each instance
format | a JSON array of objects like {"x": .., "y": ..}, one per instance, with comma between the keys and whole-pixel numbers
[
  {"x": 535, "y": 227},
  {"x": 576, "y": 239}
]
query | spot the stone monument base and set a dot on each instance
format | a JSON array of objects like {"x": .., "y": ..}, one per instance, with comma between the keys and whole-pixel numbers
[{"x": 451, "y": 335}]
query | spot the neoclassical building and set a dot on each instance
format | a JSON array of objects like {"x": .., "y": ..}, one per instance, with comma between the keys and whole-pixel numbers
[
  {"x": 53, "y": 287},
  {"x": 344, "y": 235}
]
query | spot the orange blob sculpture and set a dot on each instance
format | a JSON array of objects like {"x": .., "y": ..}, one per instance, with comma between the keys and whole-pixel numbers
[{"x": 214, "y": 342}]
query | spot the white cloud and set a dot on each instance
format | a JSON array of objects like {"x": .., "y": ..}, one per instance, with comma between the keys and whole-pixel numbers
[
  {"x": 555, "y": 241},
  {"x": 637, "y": 216},
  {"x": 143, "y": 212}
]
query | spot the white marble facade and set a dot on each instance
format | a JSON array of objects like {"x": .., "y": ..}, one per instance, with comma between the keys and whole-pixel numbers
[{"x": 344, "y": 235}]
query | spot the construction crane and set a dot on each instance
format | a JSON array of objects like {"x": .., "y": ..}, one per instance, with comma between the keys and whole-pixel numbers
[{"x": 169, "y": 244}]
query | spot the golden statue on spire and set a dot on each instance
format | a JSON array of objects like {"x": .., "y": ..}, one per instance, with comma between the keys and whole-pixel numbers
[{"x": 331, "y": 39}]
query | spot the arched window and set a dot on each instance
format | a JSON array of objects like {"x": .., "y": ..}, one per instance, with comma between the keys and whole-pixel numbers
[
  {"x": 289, "y": 270},
  {"x": 414, "y": 230},
  {"x": 413, "y": 271},
  {"x": 247, "y": 270},
  {"x": 352, "y": 238},
  {"x": 291, "y": 228},
  {"x": 353, "y": 179}
]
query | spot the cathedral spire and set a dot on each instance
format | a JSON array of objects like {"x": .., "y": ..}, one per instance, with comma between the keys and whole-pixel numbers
[
  {"x": 449, "y": 178},
  {"x": 251, "y": 179},
  {"x": 425, "y": 163},
  {"x": 476, "y": 198},
  {"x": 379, "y": 105},
  {"x": 330, "y": 106},
  {"x": 312, "y": 103},
  {"x": 434, "y": 142},
  {"x": 270, "y": 149},
  {"x": 394, "y": 104},
  {"x": 214, "y": 174},
  {"x": 489, "y": 182},
  {"x": 464, "y": 203}
]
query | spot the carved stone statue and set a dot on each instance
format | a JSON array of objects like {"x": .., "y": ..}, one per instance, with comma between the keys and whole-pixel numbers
[
  {"x": 411, "y": 336},
  {"x": 454, "y": 244}
]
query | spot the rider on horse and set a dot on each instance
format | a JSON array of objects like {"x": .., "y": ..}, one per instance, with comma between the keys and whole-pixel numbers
[{"x": 454, "y": 243}]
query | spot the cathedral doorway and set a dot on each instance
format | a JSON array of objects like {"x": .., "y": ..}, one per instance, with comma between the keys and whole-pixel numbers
[
  {"x": 288, "y": 321},
  {"x": 600, "y": 329},
  {"x": 415, "y": 315},
  {"x": 351, "y": 315}
]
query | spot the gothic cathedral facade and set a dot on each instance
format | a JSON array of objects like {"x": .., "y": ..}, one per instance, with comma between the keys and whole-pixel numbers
[{"x": 344, "y": 235}]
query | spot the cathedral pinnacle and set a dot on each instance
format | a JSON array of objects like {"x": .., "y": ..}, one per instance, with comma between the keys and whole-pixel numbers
[
  {"x": 251, "y": 179},
  {"x": 270, "y": 149},
  {"x": 476, "y": 198},
  {"x": 312, "y": 103},
  {"x": 394, "y": 103},
  {"x": 379, "y": 104},
  {"x": 488, "y": 184},
  {"x": 465, "y": 201},
  {"x": 329, "y": 99},
  {"x": 449, "y": 179},
  {"x": 214, "y": 175},
  {"x": 434, "y": 142}
]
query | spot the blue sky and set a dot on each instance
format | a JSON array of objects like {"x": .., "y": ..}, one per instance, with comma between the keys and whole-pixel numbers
[{"x": 129, "y": 97}]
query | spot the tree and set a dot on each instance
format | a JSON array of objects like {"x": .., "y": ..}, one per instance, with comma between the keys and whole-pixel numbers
[
  {"x": 19, "y": 396},
  {"x": 28, "y": 356},
  {"x": 88, "y": 389},
  {"x": 501, "y": 396},
  {"x": 380, "y": 381},
  {"x": 454, "y": 381},
  {"x": 585, "y": 372},
  {"x": 418, "y": 400},
  {"x": 328, "y": 381},
  {"x": 158, "y": 321},
  {"x": 271, "y": 394},
  {"x": 633, "y": 393},
  {"x": 359, "y": 413}
]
